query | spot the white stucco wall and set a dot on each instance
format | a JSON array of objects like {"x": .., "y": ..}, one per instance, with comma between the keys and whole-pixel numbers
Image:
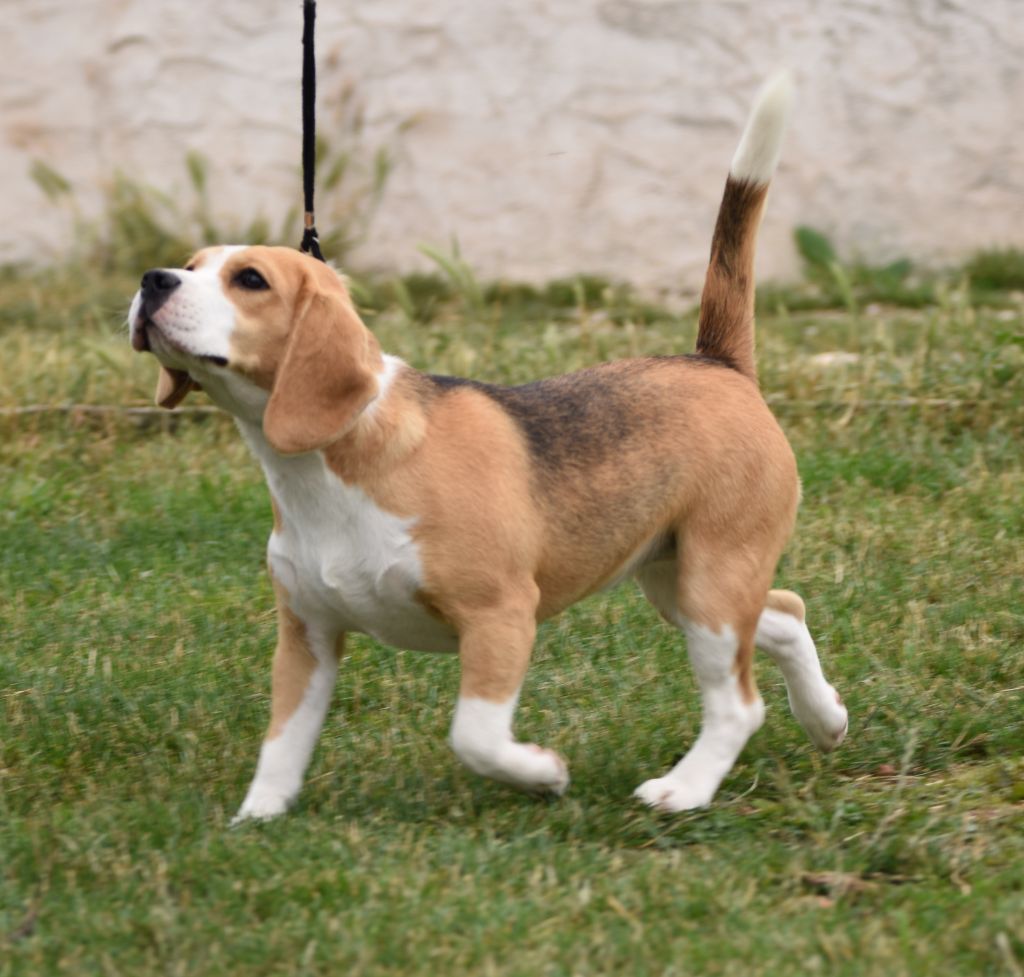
[{"x": 548, "y": 136}]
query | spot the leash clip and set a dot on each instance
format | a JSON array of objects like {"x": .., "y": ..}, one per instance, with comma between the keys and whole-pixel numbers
[{"x": 310, "y": 238}]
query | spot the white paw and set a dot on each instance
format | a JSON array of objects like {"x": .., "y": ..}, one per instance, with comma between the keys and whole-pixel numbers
[
  {"x": 482, "y": 739},
  {"x": 825, "y": 720},
  {"x": 530, "y": 768},
  {"x": 261, "y": 806},
  {"x": 547, "y": 770},
  {"x": 672, "y": 795},
  {"x": 525, "y": 766}
]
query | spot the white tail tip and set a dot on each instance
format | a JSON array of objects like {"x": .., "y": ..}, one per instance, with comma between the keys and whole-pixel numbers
[{"x": 761, "y": 144}]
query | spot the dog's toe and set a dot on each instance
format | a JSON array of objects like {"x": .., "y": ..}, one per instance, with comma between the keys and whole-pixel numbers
[
  {"x": 825, "y": 720},
  {"x": 671, "y": 795},
  {"x": 548, "y": 771},
  {"x": 260, "y": 807}
]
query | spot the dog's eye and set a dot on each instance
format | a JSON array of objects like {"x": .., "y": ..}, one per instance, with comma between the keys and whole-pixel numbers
[{"x": 251, "y": 279}]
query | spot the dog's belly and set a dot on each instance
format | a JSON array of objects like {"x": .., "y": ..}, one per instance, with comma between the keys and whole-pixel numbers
[{"x": 370, "y": 591}]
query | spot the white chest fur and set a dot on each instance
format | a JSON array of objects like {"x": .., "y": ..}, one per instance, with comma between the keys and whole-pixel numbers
[{"x": 345, "y": 562}]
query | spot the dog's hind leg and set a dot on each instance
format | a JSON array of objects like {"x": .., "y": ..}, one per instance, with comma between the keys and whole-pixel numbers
[
  {"x": 494, "y": 648},
  {"x": 305, "y": 666},
  {"x": 782, "y": 633},
  {"x": 716, "y": 606}
]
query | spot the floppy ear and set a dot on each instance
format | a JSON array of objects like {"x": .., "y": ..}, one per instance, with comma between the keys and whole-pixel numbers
[
  {"x": 324, "y": 380},
  {"x": 173, "y": 386}
]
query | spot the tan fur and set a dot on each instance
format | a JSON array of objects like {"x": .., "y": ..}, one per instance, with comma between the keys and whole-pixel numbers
[
  {"x": 787, "y": 602},
  {"x": 705, "y": 471},
  {"x": 320, "y": 367},
  {"x": 293, "y": 666},
  {"x": 519, "y": 500},
  {"x": 718, "y": 471},
  {"x": 495, "y": 647},
  {"x": 726, "y": 327},
  {"x": 294, "y": 661},
  {"x": 172, "y": 387}
]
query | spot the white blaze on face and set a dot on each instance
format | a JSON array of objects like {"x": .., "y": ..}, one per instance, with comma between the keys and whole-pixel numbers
[{"x": 197, "y": 318}]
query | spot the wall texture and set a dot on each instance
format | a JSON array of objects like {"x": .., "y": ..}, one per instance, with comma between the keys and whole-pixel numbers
[{"x": 548, "y": 136}]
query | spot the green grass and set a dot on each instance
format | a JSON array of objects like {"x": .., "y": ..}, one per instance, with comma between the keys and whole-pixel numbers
[{"x": 138, "y": 628}]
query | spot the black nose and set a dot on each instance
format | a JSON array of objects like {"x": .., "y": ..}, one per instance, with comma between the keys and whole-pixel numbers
[
  {"x": 158, "y": 282},
  {"x": 156, "y": 286}
]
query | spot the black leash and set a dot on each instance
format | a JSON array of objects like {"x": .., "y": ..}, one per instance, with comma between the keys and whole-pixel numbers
[{"x": 310, "y": 241}]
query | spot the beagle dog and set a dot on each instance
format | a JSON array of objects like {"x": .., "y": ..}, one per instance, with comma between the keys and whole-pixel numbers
[{"x": 443, "y": 514}]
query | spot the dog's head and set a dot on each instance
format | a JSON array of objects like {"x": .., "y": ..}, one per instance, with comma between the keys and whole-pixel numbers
[{"x": 269, "y": 333}]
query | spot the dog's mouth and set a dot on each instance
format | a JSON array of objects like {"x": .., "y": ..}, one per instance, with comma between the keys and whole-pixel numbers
[
  {"x": 140, "y": 336},
  {"x": 173, "y": 387},
  {"x": 142, "y": 343}
]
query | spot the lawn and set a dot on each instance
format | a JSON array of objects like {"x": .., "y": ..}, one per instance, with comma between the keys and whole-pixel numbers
[{"x": 138, "y": 626}]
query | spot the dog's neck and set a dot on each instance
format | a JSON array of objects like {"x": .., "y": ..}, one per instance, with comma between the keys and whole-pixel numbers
[{"x": 391, "y": 426}]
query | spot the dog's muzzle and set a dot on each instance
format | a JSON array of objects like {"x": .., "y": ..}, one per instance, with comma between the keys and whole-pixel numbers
[{"x": 157, "y": 286}]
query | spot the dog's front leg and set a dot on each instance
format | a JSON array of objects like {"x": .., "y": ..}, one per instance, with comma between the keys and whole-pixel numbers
[
  {"x": 305, "y": 666},
  {"x": 494, "y": 650}
]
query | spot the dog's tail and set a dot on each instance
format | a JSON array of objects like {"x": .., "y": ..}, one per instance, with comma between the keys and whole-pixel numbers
[{"x": 726, "y": 328}]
